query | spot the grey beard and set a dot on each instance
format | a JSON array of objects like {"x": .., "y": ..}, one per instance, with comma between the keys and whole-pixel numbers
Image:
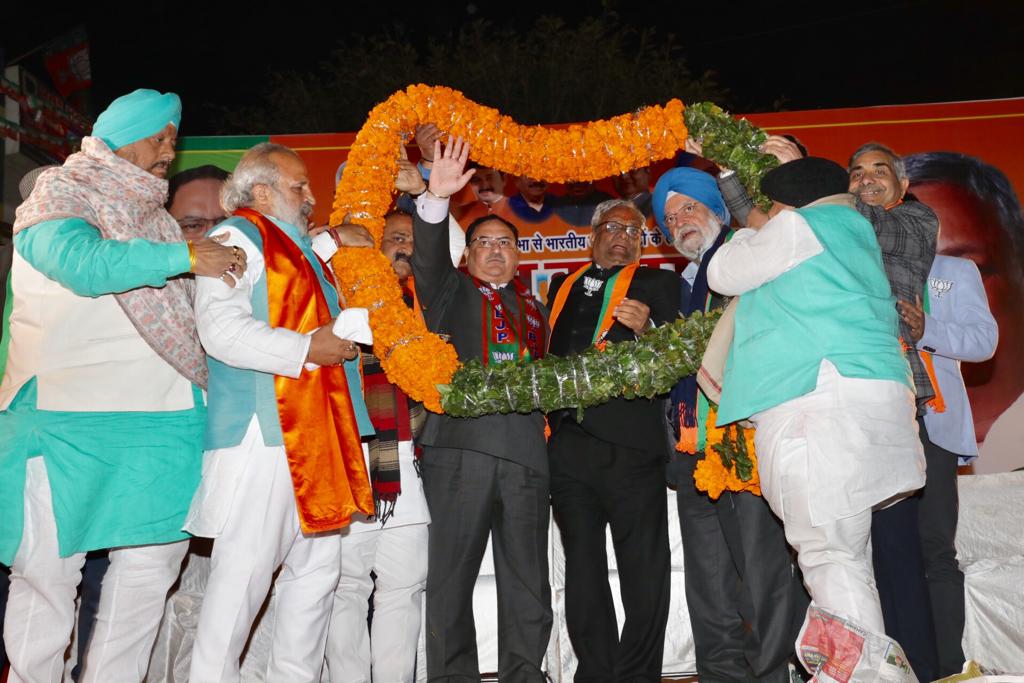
[{"x": 704, "y": 246}]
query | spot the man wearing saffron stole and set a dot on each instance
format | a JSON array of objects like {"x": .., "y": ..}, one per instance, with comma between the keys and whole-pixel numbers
[
  {"x": 609, "y": 468},
  {"x": 816, "y": 364},
  {"x": 485, "y": 476},
  {"x": 284, "y": 465},
  {"x": 745, "y": 600},
  {"x": 102, "y": 406}
]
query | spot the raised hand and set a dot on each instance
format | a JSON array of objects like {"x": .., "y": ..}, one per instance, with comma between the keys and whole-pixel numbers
[
  {"x": 782, "y": 149},
  {"x": 448, "y": 174},
  {"x": 426, "y": 135},
  {"x": 409, "y": 178}
]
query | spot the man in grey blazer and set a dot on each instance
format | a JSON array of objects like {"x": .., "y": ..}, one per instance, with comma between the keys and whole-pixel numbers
[
  {"x": 954, "y": 326},
  {"x": 484, "y": 476}
]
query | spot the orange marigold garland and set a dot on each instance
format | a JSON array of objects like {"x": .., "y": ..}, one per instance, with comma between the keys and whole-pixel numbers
[
  {"x": 413, "y": 358},
  {"x": 733, "y": 444}
]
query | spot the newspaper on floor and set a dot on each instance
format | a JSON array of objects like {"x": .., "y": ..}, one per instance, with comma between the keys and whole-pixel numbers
[{"x": 837, "y": 650}]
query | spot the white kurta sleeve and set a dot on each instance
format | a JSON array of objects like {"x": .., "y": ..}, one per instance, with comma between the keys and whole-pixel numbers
[
  {"x": 754, "y": 257},
  {"x": 324, "y": 246},
  {"x": 227, "y": 328}
]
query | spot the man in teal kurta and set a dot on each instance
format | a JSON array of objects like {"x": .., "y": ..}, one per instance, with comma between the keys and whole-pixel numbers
[
  {"x": 816, "y": 364},
  {"x": 101, "y": 404}
]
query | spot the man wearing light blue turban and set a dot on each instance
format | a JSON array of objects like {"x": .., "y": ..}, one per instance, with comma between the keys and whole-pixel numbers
[
  {"x": 745, "y": 601},
  {"x": 101, "y": 404},
  {"x": 135, "y": 116}
]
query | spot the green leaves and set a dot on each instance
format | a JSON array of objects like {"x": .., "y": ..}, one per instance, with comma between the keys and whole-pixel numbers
[
  {"x": 644, "y": 368},
  {"x": 732, "y": 143}
]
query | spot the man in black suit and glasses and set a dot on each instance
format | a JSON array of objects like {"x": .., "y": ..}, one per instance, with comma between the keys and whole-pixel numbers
[
  {"x": 609, "y": 468},
  {"x": 488, "y": 475}
]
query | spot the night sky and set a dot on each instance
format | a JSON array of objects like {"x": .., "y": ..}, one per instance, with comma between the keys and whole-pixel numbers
[{"x": 791, "y": 55}]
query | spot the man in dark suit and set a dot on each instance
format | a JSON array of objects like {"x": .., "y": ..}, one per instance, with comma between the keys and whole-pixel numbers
[
  {"x": 488, "y": 475},
  {"x": 609, "y": 468}
]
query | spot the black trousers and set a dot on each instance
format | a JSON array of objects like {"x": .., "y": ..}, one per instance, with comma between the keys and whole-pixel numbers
[
  {"x": 596, "y": 485},
  {"x": 900, "y": 577},
  {"x": 937, "y": 519},
  {"x": 471, "y": 496},
  {"x": 744, "y": 593}
]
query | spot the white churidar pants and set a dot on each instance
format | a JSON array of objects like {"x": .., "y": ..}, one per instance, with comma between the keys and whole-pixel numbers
[
  {"x": 398, "y": 557},
  {"x": 41, "y": 605},
  {"x": 835, "y": 557},
  {"x": 824, "y": 459},
  {"x": 262, "y": 533}
]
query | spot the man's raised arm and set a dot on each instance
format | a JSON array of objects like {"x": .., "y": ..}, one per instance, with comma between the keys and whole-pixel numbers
[{"x": 431, "y": 260}]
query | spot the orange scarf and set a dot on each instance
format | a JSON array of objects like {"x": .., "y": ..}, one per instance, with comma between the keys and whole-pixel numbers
[
  {"x": 619, "y": 289},
  {"x": 321, "y": 436}
]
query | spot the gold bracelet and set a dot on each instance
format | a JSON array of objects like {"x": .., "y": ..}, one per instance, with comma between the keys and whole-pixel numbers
[{"x": 191, "y": 256}]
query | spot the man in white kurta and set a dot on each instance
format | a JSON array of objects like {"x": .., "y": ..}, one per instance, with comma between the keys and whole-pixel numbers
[
  {"x": 101, "y": 403},
  {"x": 247, "y": 499},
  {"x": 816, "y": 365}
]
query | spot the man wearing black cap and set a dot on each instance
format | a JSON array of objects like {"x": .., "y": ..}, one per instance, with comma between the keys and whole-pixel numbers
[{"x": 816, "y": 364}]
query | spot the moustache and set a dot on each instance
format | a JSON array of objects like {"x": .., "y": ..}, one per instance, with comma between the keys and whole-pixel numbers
[
  {"x": 306, "y": 210},
  {"x": 402, "y": 256}
]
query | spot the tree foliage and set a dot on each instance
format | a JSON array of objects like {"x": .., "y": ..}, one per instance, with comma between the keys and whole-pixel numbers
[{"x": 555, "y": 72}]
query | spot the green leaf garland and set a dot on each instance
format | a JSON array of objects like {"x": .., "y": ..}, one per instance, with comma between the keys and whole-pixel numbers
[
  {"x": 644, "y": 368},
  {"x": 732, "y": 143}
]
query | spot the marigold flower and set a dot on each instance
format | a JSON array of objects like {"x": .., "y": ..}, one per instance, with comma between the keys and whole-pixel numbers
[{"x": 413, "y": 358}]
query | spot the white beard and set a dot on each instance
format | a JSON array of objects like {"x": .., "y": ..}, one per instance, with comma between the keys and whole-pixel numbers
[
  {"x": 292, "y": 217},
  {"x": 709, "y": 233}
]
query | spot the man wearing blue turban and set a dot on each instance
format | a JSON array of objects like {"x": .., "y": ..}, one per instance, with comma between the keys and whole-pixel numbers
[
  {"x": 101, "y": 404},
  {"x": 745, "y": 601}
]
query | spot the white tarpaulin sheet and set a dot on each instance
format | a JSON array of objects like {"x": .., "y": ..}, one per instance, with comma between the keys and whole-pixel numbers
[{"x": 990, "y": 546}]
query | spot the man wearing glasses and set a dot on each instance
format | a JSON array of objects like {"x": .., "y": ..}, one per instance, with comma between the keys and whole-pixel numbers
[
  {"x": 746, "y": 602},
  {"x": 485, "y": 476},
  {"x": 609, "y": 468},
  {"x": 193, "y": 199}
]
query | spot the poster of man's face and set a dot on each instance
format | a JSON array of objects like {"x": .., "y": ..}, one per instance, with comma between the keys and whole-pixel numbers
[{"x": 980, "y": 219}]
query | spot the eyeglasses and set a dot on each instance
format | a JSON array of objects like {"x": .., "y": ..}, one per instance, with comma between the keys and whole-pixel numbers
[
  {"x": 490, "y": 242},
  {"x": 197, "y": 225},
  {"x": 686, "y": 209},
  {"x": 613, "y": 228}
]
